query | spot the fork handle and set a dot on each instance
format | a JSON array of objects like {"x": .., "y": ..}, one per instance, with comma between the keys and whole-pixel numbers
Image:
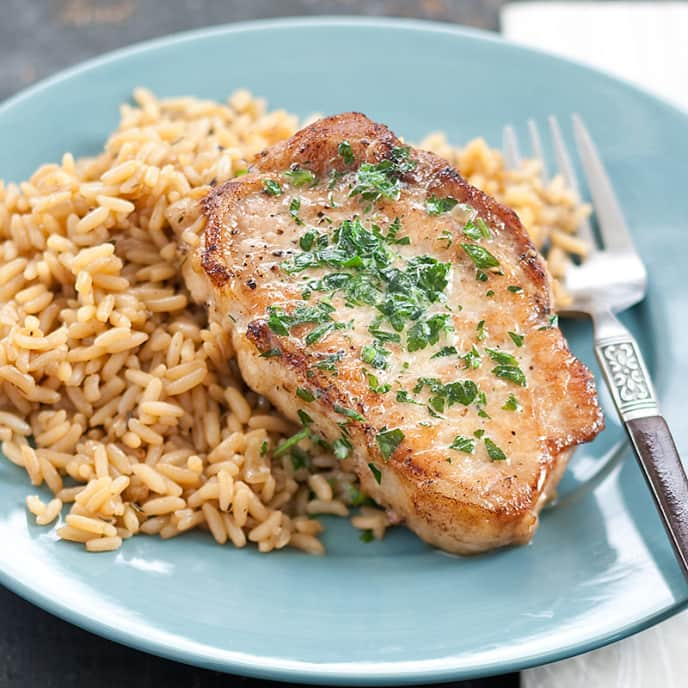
[{"x": 629, "y": 382}]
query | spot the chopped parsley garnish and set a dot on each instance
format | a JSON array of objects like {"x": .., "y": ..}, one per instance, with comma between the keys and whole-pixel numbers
[
  {"x": 447, "y": 237},
  {"x": 427, "y": 331},
  {"x": 515, "y": 289},
  {"x": 553, "y": 321},
  {"x": 512, "y": 404},
  {"x": 493, "y": 451},
  {"x": 445, "y": 351},
  {"x": 294, "y": 207},
  {"x": 320, "y": 315},
  {"x": 477, "y": 230},
  {"x": 482, "y": 258},
  {"x": 304, "y": 417},
  {"x": 489, "y": 293},
  {"x": 299, "y": 458},
  {"x": 264, "y": 448},
  {"x": 463, "y": 444},
  {"x": 502, "y": 357},
  {"x": 241, "y": 172},
  {"x": 382, "y": 180},
  {"x": 461, "y": 392},
  {"x": 479, "y": 433},
  {"x": 271, "y": 187},
  {"x": 366, "y": 272},
  {"x": 305, "y": 394},
  {"x": 287, "y": 444},
  {"x": 349, "y": 413},
  {"x": 472, "y": 359},
  {"x": 481, "y": 276},
  {"x": 271, "y": 353},
  {"x": 405, "y": 398},
  {"x": 307, "y": 239},
  {"x": 375, "y": 386},
  {"x": 329, "y": 363},
  {"x": 376, "y": 472},
  {"x": 438, "y": 206},
  {"x": 384, "y": 336},
  {"x": 388, "y": 441},
  {"x": 344, "y": 149},
  {"x": 481, "y": 331},
  {"x": 299, "y": 176},
  {"x": 375, "y": 356},
  {"x": 517, "y": 338},
  {"x": 367, "y": 535},
  {"x": 341, "y": 448},
  {"x": 510, "y": 372}
]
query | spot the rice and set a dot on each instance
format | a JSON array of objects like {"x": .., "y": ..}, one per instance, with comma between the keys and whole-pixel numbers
[{"x": 140, "y": 420}]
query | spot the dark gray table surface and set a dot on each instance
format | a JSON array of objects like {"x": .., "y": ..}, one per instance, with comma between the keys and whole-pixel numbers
[{"x": 38, "y": 38}]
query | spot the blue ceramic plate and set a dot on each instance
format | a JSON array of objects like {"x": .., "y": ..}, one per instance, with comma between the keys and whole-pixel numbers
[{"x": 398, "y": 611}]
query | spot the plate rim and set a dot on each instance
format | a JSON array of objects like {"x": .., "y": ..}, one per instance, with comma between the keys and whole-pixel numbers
[{"x": 261, "y": 666}]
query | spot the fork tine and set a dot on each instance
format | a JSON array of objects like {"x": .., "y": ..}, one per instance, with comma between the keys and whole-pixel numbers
[
  {"x": 538, "y": 151},
  {"x": 512, "y": 156},
  {"x": 609, "y": 216},
  {"x": 567, "y": 171}
]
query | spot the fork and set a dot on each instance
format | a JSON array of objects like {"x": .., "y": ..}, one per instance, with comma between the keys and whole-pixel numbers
[{"x": 612, "y": 279}]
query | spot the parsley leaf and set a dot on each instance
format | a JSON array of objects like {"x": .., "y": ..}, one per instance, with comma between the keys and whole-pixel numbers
[
  {"x": 463, "y": 444},
  {"x": 472, "y": 359},
  {"x": 388, "y": 441},
  {"x": 271, "y": 187},
  {"x": 344, "y": 149},
  {"x": 271, "y": 353},
  {"x": 445, "y": 351},
  {"x": 287, "y": 444},
  {"x": 493, "y": 451},
  {"x": 482, "y": 258},
  {"x": 404, "y": 398},
  {"x": 299, "y": 176},
  {"x": 428, "y": 331},
  {"x": 349, "y": 413},
  {"x": 515, "y": 289},
  {"x": 510, "y": 372},
  {"x": 512, "y": 404},
  {"x": 264, "y": 448},
  {"x": 375, "y": 386},
  {"x": 376, "y": 472},
  {"x": 502, "y": 357},
  {"x": 438, "y": 206},
  {"x": 294, "y": 207},
  {"x": 367, "y": 535},
  {"x": 517, "y": 338},
  {"x": 305, "y": 394},
  {"x": 341, "y": 448}
]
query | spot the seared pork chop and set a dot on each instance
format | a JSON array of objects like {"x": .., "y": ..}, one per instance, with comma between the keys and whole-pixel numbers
[{"x": 405, "y": 317}]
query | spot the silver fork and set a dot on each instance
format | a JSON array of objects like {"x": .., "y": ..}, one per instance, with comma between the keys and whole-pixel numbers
[{"x": 612, "y": 279}]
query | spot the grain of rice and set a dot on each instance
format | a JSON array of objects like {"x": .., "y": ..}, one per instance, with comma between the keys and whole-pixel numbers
[
  {"x": 35, "y": 505},
  {"x": 104, "y": 544},
  {"x": 215, "y": 523},
  {"x": 50, "y": 513},
  {"x": 159, "y": 506}
]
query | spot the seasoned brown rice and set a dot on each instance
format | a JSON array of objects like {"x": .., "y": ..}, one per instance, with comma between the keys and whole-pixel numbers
[{"x": 139, "y": 417}]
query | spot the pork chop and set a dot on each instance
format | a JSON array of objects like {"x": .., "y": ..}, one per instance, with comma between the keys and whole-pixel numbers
[{"x": 405, "y": 317}]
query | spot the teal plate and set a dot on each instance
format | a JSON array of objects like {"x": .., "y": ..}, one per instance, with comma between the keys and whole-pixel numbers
[{"x": 398, "y": 611}]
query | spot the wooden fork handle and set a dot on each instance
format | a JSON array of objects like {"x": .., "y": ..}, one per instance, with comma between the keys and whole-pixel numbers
[
  {"x": 662, "y": 467},
  {"x": 634, "y": 397}
]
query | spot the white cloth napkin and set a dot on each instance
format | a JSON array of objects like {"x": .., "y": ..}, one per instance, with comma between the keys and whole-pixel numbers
[
  {"x": 643, "y": 42},
  {"x": 646, "y": 43}
]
